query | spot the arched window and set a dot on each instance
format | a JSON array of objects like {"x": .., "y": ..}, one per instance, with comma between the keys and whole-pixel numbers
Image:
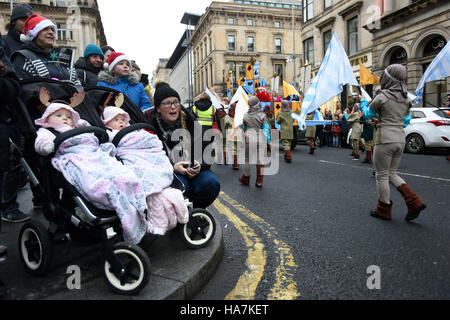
[
  {"x": 434, "y": 46},
  {"x": 399, "y": 56}
]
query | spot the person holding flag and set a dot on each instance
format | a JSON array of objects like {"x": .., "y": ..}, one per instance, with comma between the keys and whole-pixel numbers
[{"x": 393, "y": 107}]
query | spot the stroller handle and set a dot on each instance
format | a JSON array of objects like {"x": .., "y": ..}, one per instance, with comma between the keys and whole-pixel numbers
[
  {"x": 132, "y": 128},
  {"x": 101, "y": 134}
]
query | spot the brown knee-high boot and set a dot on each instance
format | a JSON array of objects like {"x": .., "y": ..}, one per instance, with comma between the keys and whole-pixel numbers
[
  {"x": 383, "y": 211},
  {"x": 368, "y": 158},
  {"x": 259, "y": 176},
  {"x": 288, "y": 156},
  {"x": 235, "y": 162},
  {"x": 413, "y": 202},
  {"x": 311, "y": 147}
]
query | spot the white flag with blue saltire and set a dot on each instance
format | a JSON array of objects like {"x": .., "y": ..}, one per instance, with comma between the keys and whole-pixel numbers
[
  {"x": 439, "y": 69},
  {"x": 334, "y": 73}
]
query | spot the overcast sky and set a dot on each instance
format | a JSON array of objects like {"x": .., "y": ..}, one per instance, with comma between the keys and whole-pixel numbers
[{"x": 146, "y": 30}]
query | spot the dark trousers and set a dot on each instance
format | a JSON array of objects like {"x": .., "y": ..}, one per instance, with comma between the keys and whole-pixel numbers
[{"x": 203, "y": 189}]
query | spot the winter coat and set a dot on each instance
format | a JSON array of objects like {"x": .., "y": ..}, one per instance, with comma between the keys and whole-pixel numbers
[
  {"x": 10, "y": 85},
  {"x": 87, "y": 73},
  {"x": 31, "y": 61},
  {"x": 336, "y": 130},
  {"x": 11, "y": 42},
  {"x": 287, "y": 125},
  {"x": 130, "y": 86},
  {"x": 164, "y": 132}
]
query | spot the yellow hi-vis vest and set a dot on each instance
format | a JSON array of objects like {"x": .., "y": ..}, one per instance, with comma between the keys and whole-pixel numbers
[{"x": 205, "y": 118}]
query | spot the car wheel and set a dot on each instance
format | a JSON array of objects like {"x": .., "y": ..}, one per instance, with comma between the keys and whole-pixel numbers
[{"x": 415, "y": 143}]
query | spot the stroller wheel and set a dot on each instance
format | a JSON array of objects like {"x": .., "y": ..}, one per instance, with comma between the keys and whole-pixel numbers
[
  {"x": 135, "y": 272},
  {"x": 200, "y": 229},
  {"x": 36, "y": 249}
]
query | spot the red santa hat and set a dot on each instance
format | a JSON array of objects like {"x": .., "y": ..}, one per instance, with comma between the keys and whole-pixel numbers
[
  {"x": 114, "y": 59},
  {"x": 33, "y": 25},
  {"x": 264, "y": 96}
]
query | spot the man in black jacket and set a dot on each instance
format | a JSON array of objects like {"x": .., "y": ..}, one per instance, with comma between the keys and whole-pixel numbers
[
  {"x": 12, "y": 40},
  {"x": 89, "y": 66},
  {"x": 9, "y": 87}
]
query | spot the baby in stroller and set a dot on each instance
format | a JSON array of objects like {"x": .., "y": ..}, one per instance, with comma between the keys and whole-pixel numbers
[
  {"x": 142, "y": 152},
  {"x": 92, "y": 167}
]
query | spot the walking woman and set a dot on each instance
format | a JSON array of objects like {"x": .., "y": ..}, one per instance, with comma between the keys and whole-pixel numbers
[{"x": 393, "y": 108}]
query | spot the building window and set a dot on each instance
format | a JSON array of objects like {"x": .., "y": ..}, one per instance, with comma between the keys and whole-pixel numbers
[
  {"x": 326, "y": 41},
  {"x": 307, "y": 10},
  {"x": 326, "y": 4},
  {"x": 277, "y": 24},
  {"x": 232, "y": 67},
  {"x": 251, "y": 44},
  {"x": 279, "y": 71},
  {"x": 230, "y": 20},
  {"x": 62, "y": 32},
  {"x": 250, "y": 22},
  {"x": 352, "y": 36},
  {"x": 308, "y": 50},
  {"x": 231, "y": 43},
  {"x": 277, "y": 45}
]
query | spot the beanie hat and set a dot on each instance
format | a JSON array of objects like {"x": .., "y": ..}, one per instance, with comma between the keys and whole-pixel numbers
[
  {"x": 92, "y": 49},
  {"x": 33, "y": 25},
  {"x": 21, "y": 11},
  {"x": 51, "y": 109},
  {"x": 110, "y": 112},
  {"x": 163, "y": 91},
  {"x": 114, "y": 59},
  {"x": 253, "y": 101}
]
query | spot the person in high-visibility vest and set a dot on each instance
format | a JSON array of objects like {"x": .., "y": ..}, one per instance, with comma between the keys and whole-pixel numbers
[{"x": 204, "y": 111}]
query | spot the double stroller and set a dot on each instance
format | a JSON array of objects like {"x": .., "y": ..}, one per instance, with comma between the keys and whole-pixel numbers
[{"x": 126, "y": 266}]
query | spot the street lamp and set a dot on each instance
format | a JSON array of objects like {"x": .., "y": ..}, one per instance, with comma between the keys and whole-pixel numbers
[{"x": 190, "y": 19}]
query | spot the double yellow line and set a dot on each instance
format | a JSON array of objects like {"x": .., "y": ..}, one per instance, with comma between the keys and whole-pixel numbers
[{"x": 285, "y": 287}]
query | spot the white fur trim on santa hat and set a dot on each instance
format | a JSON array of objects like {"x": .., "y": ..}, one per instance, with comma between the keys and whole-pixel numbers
[
  {"x": 116, "y": 61},
  {"x": 31, "y": 34}
]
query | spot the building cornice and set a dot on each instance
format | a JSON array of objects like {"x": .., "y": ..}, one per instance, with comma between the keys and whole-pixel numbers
[
  {"x": 415, "y": 8},
  {"x": 354, "y": 7}
]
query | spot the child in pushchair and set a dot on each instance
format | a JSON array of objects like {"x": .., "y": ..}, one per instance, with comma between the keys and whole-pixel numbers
[
  {"x": 200, "y": 229},
  {"x": 143, "y": 153}
]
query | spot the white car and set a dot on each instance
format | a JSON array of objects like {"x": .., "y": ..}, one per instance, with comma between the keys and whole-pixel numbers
[{"x": 429, "y": 128}]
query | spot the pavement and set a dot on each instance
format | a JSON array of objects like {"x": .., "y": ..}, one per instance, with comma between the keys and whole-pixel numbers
[{"x": 177, "y": 272}]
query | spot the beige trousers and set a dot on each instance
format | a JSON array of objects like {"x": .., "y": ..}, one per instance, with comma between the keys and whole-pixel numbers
[{"x": 387, "y": 159}]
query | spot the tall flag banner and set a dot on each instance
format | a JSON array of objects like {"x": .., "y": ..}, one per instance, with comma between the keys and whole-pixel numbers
[
  {"x": 439, "y": 69},
  {"x": 289, "y": 90},
  {"x": 365, "y": 76},
  {"x": 249, "y": 71},
  {"x": 241, "y": 109},
  {"x": 249, "y": 86},
  {"x": 334, "y": 73},
  {"x": 214, "y": 98},
  {"x": 256, "y": 69},
  {"x": 238, "y": 94}
]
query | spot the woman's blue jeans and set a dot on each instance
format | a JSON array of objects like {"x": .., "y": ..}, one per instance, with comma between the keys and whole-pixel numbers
[{"x": 203, "y": 189}]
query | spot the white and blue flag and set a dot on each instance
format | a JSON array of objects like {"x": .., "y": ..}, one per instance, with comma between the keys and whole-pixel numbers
[
  {"x": 439, "y": 69},
  {"x": 334, "y": 73}
]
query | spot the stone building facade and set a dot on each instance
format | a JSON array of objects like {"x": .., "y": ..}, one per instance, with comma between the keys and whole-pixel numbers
[
  {"x": 229, "y": 35},
  {"x": 79, "y": 22},
  {"x": 379, "y": 33}
]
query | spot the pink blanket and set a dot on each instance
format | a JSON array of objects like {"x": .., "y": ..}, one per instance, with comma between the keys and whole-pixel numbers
[
  {"x": 143, "y": 152},
  {"x": 95, "y": 172}
]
